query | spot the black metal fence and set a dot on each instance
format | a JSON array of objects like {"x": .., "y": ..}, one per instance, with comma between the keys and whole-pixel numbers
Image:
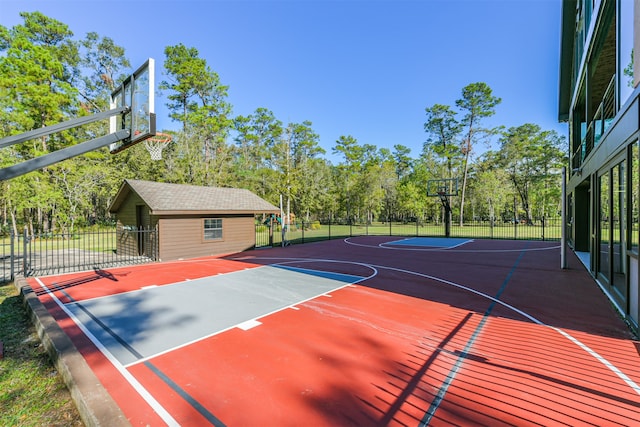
[
  {"x": 303, "y": 231},
  {"x": 48, "y": 253}
]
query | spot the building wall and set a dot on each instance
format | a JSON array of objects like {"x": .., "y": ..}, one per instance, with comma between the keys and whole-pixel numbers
[
  {"x": 604, "y": 184},
  {"x": 127, "y": 213},
  {"x": 132, "y": 217},
  {"x": 183, "y": 236}
]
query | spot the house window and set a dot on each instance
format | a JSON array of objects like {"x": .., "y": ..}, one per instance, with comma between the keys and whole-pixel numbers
[
  {"x": 625, "y": 50},
  {"x": 213, "y": 229}
]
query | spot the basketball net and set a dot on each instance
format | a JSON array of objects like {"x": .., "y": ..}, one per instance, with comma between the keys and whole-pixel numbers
[{"x": 156, "y": 144}]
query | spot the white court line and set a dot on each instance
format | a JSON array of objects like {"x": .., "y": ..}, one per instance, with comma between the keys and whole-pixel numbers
[
  {"x": 249, "y": 324},
  {"x": 155, "y": 405},
  {"x": 635, "y": 387}
]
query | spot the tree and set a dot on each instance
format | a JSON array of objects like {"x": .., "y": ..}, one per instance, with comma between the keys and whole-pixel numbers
[
  {"x": 190, "y": 83},
  {"x": 38, "y": 61},
  {"x": 313, "y": 189},
  {"x": 349, "y": 148},
  {"x": 368, "y": 178},
  {"x": 424, "y": 169},
  {"x": 477, "y": 103},
  {"x": 104, "y": 66},
  {"x": 411, "y": 198},
  {"x": 443, "y": 129},
  {"x": 532, "y": 159},
  {"x": 299, "y": 148},
  {"x": 104, "y": 62},
  {"x": 37, "y": 64},
  {"x": 402, "y": 159},
  {"x": 257, "y": 136},
  {"x": 197, "y": 99},
  {"x": 491, "y": 185}
]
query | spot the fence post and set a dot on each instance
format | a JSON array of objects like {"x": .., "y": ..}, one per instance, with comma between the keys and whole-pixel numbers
[
  {"x": 24, "y": 253},
  {"x": 515, "y": 218},
  {"x": 543, "y": 228},
  {"x": 12, "y": 271},
  {"x": 157, "y": 239}
]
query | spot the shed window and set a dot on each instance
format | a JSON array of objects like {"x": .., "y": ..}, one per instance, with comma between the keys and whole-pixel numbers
[{"x": 213, "y": 229}]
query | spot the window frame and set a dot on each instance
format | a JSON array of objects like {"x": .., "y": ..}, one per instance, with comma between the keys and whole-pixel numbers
[{"x": 207, "y": 229}]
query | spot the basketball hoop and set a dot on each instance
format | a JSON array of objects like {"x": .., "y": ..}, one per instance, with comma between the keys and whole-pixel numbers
[{"x": 156, "y": 144}]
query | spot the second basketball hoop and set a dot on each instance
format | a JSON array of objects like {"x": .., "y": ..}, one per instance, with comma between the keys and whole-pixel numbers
[{"x": 156, "y": 144}]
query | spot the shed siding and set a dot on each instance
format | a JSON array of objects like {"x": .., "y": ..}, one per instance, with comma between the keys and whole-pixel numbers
[
  {"x": 127, "y": 242},
  {"x": 127, "y": 212},
  {"x": 183, "y": 236}
]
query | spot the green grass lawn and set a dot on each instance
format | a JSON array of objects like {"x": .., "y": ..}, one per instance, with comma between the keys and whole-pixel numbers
[
  {"x": 93, "y": 239},
  {"x": 31, "y": 391}
]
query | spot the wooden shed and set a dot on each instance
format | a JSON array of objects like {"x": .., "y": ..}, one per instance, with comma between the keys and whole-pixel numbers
[{"x": 175, "y": 221}]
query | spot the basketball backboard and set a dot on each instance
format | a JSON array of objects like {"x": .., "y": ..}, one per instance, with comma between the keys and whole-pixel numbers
[
  {"x": 442, "y": 187},
  {"x": 138, "y": 92}
]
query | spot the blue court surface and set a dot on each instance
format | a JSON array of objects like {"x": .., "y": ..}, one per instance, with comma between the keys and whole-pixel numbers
[{"x": 434, "y": 242}]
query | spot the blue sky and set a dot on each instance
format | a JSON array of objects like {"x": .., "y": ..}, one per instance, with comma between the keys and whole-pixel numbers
[{"x": 361, "y": 68}]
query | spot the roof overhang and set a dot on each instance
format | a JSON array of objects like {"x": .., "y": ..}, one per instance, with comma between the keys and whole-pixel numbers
[
  {"x": 121, "y": 196},
  {"x": 209, "y": 212},
  {"x": 567, "y": 39}
]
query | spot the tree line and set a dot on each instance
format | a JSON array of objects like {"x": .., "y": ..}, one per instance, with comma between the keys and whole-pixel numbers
[{"x": 48, "y": 76}]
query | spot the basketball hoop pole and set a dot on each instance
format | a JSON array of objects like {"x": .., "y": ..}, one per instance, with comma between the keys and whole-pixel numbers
[
  {"x": 62, "y": 154},
  {"x": 447, "y": 212},
  {"x": 124, "y": 103},
  {"x": 69, "y": 124}
]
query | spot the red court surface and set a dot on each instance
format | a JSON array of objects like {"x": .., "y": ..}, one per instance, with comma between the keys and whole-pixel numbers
[{"x": 483, "y": 333}]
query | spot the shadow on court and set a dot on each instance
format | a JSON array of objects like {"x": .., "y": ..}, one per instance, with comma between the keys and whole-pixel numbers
[
  {"x": 491, "y": 333},
  {"x": 91, "y": 277}
]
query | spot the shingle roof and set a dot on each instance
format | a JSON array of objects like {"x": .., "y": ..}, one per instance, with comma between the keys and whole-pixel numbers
[{"x": 164, "y": 198}]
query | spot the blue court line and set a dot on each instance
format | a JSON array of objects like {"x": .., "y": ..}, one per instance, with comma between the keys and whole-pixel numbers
[
  {"x": 215, "y": 421},
  {"x": 435, "y": 404},
  {"x": 438, "y": 242}
]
